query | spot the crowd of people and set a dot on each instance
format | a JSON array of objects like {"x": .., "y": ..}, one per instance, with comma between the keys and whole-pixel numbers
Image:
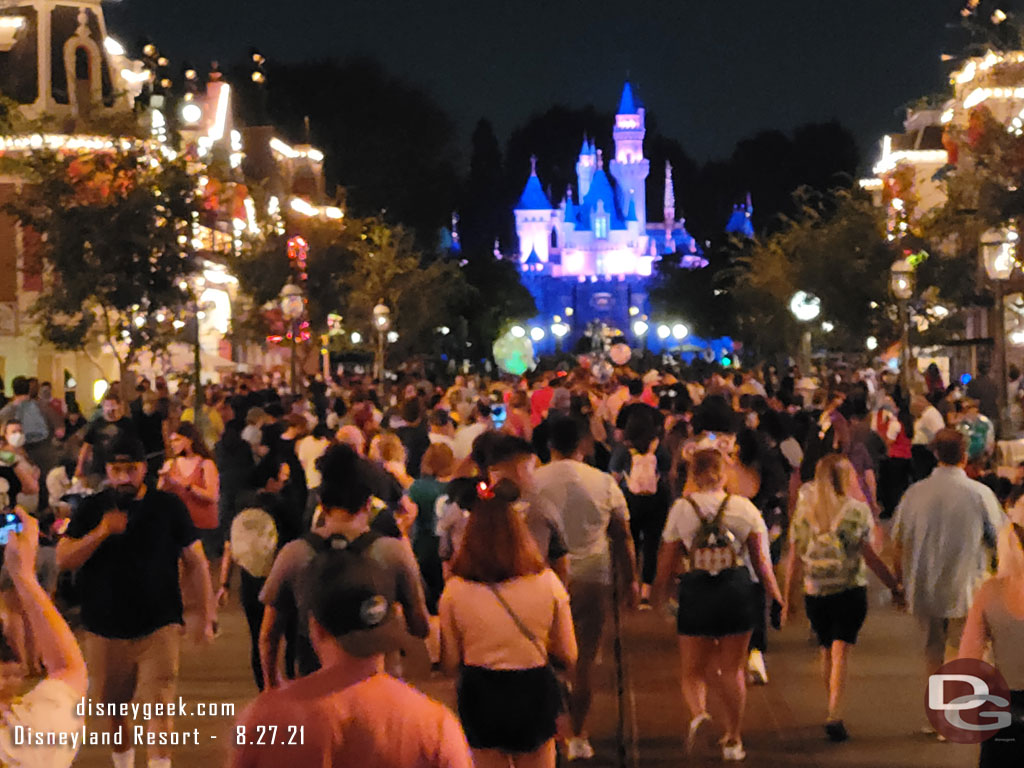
[{"x": 498, "y": 521}]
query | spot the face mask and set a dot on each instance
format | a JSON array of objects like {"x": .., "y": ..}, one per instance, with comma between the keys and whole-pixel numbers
[
  {"x": 124, "y": 495},
  {"x": 16, "y": 440}
]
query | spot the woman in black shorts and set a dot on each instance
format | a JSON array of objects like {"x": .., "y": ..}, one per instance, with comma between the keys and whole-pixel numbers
[
  {"x": 830, "y": 542},
  {"x": 724, "y": 539}
]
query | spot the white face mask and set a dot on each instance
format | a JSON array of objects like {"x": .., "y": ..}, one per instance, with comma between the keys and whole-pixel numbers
[{"x": 16, "y": 440}]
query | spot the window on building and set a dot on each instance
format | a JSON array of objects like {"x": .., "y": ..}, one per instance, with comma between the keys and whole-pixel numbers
[{"x": 601, "y": 227}]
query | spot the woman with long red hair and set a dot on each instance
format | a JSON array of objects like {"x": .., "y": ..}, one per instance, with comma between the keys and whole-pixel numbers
[{"x": 505, "y": 625}]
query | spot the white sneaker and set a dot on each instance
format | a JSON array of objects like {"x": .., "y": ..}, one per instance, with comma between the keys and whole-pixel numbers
[
  {"x": 733, "y": 753},
  {"x": 578, "y": 748},
  {"x": 695, "y": 724},
  {"x": 756, "y": 668}
]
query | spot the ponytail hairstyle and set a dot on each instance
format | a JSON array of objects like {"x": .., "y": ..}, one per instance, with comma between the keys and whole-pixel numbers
[
  {"x": 497, "y": 545},
  {"x": 829, "y": 491}
]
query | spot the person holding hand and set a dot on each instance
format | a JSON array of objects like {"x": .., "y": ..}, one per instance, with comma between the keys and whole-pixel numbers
[{"x": 50, "y": 705}]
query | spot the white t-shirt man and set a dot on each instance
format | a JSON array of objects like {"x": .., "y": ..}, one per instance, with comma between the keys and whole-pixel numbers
[
  {"x": 928, "y": 426},
  {"x": 587, "y": 499}
]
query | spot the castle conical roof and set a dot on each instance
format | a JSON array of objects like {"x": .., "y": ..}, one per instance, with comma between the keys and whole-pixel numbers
[
  {"x": 627, "y": 104},
  {"x": 533, "y": 197}
]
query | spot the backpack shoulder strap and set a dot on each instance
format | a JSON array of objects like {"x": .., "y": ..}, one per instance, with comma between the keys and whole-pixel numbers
[
  {"x": 363, "y": 542},
  {"x": 720, "y": 514},
  {"x": 317, "y": 542}
]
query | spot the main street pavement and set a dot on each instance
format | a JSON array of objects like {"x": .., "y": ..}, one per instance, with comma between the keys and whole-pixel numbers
[{"x": 885, "y": 711}]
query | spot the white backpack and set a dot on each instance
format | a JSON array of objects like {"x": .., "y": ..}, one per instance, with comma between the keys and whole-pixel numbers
[
  {"x": 254, "y": 541},
  {"x": 642, "y": 478},
  {"x": 825, "y": 559}
]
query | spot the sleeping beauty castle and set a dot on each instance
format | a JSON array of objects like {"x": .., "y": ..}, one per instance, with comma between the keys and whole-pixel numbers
[{"x": 590, "y": 260}]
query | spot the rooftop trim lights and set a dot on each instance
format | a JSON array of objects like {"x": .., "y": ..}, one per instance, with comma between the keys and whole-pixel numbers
[
  {"x": 891, "y": 159},
  {"x": 304, "y": 207},
  {"x": 59, "y": 141},
  {"x": 983, "y": 64},
  {"x": 292, "y": 153}
]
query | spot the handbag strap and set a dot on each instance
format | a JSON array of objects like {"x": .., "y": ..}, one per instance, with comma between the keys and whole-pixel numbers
[{"x": 523, "y": 629}]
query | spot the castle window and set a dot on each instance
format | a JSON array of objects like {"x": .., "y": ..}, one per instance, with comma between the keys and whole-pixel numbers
[
  {"x": 554, "y": 238},
  {"x": 601, "y": 227},
  {"x": 83, "y": 65}
]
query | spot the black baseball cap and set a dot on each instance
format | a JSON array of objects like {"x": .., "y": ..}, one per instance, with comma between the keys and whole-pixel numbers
[
  {"x": 125, "y": 450},
  {"x": 348, "y": 595}
]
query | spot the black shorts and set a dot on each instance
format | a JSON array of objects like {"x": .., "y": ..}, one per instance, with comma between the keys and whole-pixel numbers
[
  {"x": 716, "y": 606},
  {"x": 839, "y": 616},
  {"x": 511, "y": 710}
]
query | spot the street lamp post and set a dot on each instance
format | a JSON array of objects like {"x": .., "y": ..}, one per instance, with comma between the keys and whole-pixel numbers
[
  {"x": 999, "y": 252},
  {"x": 901, "y": 285},
  {"x": 805, "y": 308},
  {"x": 293, "y": 306},
  {"x": 382, "y": 324}
]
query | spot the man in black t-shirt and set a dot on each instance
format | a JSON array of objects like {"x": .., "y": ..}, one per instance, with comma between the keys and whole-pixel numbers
[
  {"x": 125, "y": 542},
  {"x": 112, "y": 427}
]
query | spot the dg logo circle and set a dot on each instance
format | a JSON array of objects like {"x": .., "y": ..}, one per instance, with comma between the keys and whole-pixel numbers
[{"x": 968, "y": 701}]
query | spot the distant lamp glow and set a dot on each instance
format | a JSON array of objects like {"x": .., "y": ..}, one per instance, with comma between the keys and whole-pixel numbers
[
  {"x": 998, "y": 16},
  {"x": 999, "y": 251},
  {"x": 178, "y": 324},
  {"x": 805, "y": 306},
  {"x": 634, "y": 311},
  {"x": 537, "y": 333},
  {"x": 517, "y": 331},
  {"x": 1017, "y": 337},
  {"x": 940, "y": 311},
  {"x": 872, "y": 343},
  {"x": 640, "y": 328},
  {"x": 99, "y": 389},
  {"x": 113, "y": 47},
  {"x": 680, "y": 331},
  {"x": 568, "y": 311},
  {"x": 382, "y": 317},
  {"x": 664, "y": 331},
  {"x": 191, "y": 113},
  {"x": 392, "y": 337},
  {"x": 827, "y": 327},
  {"x": 559, "y": 330},
  {"x": 356, "y": 337},
  {"x": 901, "y": 279},
  {"x": 444, "y": 330},
  {"x": 139, "y": 321}
]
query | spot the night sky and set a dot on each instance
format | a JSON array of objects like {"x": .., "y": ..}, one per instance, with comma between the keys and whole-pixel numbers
[{"x": 711, "y": 72}]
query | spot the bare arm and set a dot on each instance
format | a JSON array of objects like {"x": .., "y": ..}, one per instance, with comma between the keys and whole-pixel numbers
[
  {"x": 271, "y": 632},
  {"x": 975, "y": 637},
  {"x": 757, "y": 547},
  {"x": 27, "y": 476},
  {"x": 562, "y": 642},
  {"x": 54, "y": 639},
  {"x": 878, "y": 566},
  {"x": 225, "y": 575},
  {"x": 792, "y": 577},
  {"x": 72, "y": 554},
  {"x": 561, "y": 568},
  {"x": 197, "y": 576},
  {"x": 451, "y": 645},
  {"x": 668, "y": 561},
  {"x": 84, "y": 457}
]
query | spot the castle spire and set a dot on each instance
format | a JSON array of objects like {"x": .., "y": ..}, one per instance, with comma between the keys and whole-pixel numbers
[
  {"x": 533, "y": 165},
  {"x": 670, "y": 198},
  {"x": 600, "y": 160}
]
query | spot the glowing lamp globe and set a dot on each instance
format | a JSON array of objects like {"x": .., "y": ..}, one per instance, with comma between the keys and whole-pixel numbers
[
  {"x": 382, "y": 317},
  {"x": 191, "y": 113},
  {"x": 999, "y": 251},
  {"x": 560, "y": 330},
  {"x": 517, "y": 332},
  {"x": 805, "y": 306},
  {"x": 680, "y": 331},
  {"x": 537, "y": 333},
  {"x": 292, "y": 304},
  {"x": 901, "y": 279},
  {"x": 664, "y": 331},
  {"x": 640, "y": 328}
]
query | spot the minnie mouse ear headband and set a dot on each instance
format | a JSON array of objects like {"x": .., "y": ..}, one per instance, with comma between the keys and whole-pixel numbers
[
  {"x": 484, "y": 490},
  {"x": 505, "y": 490}
]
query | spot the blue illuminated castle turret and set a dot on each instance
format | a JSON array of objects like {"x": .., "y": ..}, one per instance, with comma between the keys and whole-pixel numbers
[
  {"x": 739, "y": 222},
  {"x": 592, "y": 257}
]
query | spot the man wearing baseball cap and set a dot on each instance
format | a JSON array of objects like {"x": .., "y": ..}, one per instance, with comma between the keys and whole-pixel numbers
[
  {"x": 125, "y": 542},
  {"x": 350, "y": 712}
]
